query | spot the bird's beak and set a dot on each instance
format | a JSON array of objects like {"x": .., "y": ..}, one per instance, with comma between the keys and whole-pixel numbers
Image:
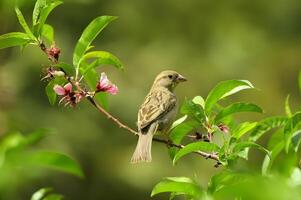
[{"x": 181, "y": 78}]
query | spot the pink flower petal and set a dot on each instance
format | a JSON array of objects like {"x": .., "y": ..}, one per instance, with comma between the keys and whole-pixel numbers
[
  {"x": 68, "y": 87},
  {"x": 112, "y": 90},
  {"x": 59, "y": 90},
  {"x": 104, "y": 81}
]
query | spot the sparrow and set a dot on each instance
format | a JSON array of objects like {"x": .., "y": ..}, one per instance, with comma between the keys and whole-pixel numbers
[{"x": 157, "y": 113}]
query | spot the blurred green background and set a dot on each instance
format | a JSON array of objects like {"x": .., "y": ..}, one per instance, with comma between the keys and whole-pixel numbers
[{"x": 207, "y": 41}]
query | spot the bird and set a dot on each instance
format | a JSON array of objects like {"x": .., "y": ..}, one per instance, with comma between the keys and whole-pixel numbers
[{"x": 157, "y": 112}]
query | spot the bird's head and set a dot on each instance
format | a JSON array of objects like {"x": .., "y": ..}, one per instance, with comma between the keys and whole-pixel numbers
[{"x": 168, "y": 79}]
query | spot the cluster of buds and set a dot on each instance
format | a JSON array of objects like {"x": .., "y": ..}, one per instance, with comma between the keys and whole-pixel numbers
[
  {"x": 51, "y": 72},
  {"x": 69, "y": 97}
]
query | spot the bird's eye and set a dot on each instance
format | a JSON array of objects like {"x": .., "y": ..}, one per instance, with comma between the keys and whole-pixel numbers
[{"x": 170, "y": 76}]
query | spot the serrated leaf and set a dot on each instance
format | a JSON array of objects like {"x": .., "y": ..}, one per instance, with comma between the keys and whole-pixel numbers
[
  {"x": 48, "y": 33},
  {"x": 266, "y": 125},
  {"x": 40, "y": 194},
  {"x": 13, "y": 39},
  {"x": 56, "y": 161},
  {"x": 102, "y": 58},
  {"x": 176, "y": 185},
  {"x": 242, "y": 129},
  {"x": 224, "y": 89},
  {"x": 88, "y": 35},
  {"x": 237, "y": 107},
  {"x": 196, "y": 146},
  {"x": 24, "y": 24},
  {"x": 244, "y": 145}
]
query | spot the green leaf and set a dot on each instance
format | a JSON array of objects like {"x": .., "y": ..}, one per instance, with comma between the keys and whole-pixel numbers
[
  {"x": 222, "y": 179},
  {"x": 50, "y": 92},
  {"x": 43, "y": 194},
  {"x": 24, "y": 24},
  {"x": 243, "y": 128},
  {"x": 199, "y": 100},
  {"x": 224, "y": 89},
  {"x": 68, "y": 69},
  {"x": 44, "y": 13},
  {"x": 36, "y": 136},
  {"x": 178, "y": 122},
  {"x": 11, "y": 141},
  {"x": 178, "y": 133},
  {"x": 49, "y": 89},
  {"x": 178, "y": 185},
  {"x": 192, "y": 109},
  {"x": 13, "y": 39},
  {"x": 269, "y": 159},
  {"x": 48, "y": 33},
  {"x": 39, "y": 5},
  {"x": 287, "y": 107},
  {"x": 54, "y": 197},
  {"x": 40, "y": 194},
  {"x": 88, "y": 35},
  {"x": 243, "y": 145},
  {"x": 237, "y": 107},
  {"x": 56, "y": 161},
  {"x": 266, "y": 125},
  {"x": 295, "y": 140},
  {"x": 196, "y": 146},
  {"x": 290, "y": 128},
  {"x": 102, "y": 57}
]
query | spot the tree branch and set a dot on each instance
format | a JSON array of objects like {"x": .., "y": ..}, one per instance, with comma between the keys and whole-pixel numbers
[
  {"x": 54, "y": 60},
  {"x": 121, "y": 125}
]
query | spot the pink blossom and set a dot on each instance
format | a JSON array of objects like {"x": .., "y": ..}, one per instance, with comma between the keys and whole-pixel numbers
[
  {"x": 69, "y": 97},
  {"x": 105, "y": 85},
  {"x": 62, "y": 91}
]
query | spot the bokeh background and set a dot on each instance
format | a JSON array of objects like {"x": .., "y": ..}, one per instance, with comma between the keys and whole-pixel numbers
[{"x": 207, "y": 41}]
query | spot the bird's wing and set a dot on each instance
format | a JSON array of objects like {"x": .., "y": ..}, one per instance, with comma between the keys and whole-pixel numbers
[{"x": 156, "y": 103}]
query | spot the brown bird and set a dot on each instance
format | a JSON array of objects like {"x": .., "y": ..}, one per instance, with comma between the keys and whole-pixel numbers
[{"x": 157, "y": 113}]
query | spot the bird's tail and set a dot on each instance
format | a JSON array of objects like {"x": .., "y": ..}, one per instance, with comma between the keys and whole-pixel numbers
[{"x": 143, "y": 149}]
